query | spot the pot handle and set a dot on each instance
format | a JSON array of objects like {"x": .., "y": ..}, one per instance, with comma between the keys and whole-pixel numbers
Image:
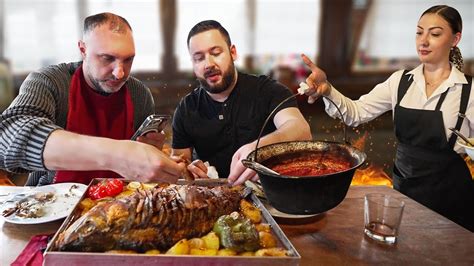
[
  {"x": 257, "y": 167},
  {"x": 344, "y": 126}
]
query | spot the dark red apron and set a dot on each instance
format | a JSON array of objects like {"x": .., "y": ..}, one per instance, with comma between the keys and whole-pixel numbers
[
  {"x": 427, "y": 169},
  {"x": 93, "y": 114}
]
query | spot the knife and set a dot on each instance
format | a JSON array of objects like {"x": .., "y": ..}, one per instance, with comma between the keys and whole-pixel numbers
[{"x": 210, "y": 182}]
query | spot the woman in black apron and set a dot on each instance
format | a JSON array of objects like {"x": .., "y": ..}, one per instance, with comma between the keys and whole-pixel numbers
[{"x": 427, "y": 167}]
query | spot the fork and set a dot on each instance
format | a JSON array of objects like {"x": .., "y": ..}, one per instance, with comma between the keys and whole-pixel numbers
[{"x": 455, "y": 131}]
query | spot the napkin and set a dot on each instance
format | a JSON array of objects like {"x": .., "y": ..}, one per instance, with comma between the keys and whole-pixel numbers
[
  {"x": 211, "y": 171},
  {"x": 32, "y": 254},
  {"x": 302, "y": 89}
]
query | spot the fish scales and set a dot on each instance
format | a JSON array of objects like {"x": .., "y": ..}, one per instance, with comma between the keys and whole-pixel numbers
[{"x": 154, "y": 219}]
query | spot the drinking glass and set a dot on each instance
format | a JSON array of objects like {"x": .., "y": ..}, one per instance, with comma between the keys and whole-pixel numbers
[{"x": 382, "y": 217}]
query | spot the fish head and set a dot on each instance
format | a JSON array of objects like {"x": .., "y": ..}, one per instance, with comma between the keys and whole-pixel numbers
[{"x": 91, "y": 232}]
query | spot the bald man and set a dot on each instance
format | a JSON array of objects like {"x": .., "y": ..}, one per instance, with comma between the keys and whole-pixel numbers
[{"x": 72, "y": 122}]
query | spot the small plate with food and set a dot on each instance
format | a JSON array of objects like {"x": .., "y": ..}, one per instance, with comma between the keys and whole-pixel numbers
[
  {"x": 42, "y": 204},
  {"x": 469, "y": 149}
]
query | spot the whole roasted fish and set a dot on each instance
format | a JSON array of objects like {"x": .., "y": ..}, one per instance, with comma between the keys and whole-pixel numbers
[{"x": 150, "y": 219}]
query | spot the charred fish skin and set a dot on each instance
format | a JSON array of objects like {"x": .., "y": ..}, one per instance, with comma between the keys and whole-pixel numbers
[{"x": 151, "y": 219}]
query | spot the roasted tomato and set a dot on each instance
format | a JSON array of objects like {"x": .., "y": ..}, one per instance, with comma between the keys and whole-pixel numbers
[
  {"x": 106, "y": 188},
  {"x": 114, "y": 187}
]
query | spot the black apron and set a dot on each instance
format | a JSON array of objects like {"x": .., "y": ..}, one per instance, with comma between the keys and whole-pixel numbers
[{"x": 427, "y": 169}]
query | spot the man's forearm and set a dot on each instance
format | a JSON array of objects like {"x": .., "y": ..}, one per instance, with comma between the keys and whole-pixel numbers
[
  {"x": 291, "y": 125},
  {"x": 291, "y": 131},
  {"x": 70, "y": 151}
]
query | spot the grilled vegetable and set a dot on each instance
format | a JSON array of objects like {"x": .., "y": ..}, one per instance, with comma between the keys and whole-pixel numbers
[
  {"x": 180, "y": 248},
  {"x": 106, "y": 188},
  {"x": 272, "y": 252},
  {"x": 237, "y": 233},
  {"x": 267, "y": 240},
  {"x": 226, "y": 252},
  {"x": 203, "y": 252},
  {"x": 250, "y": 211},
  {"x": 211, "y": 241}
]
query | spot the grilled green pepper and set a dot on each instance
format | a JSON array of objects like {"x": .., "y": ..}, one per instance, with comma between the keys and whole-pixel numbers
[{"x": 237, "y": 233}]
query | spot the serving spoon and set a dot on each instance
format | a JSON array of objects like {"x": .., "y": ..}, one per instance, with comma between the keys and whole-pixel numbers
[
  {"x": 258, "y": 166},
  {"x": 455, "y": 131}
]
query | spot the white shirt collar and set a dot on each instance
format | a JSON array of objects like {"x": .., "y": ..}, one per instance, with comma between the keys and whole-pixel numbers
[{"x": 455, "y": 77}]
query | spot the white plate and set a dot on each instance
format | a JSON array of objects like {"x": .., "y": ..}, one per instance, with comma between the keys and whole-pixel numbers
[
  {"x": 66, "y": 200},
  {"x": 469, "y": 150}
]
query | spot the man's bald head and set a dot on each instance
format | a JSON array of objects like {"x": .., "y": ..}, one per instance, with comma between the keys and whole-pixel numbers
[
  {"x": 107, "y": 49},
  {"x": 116, "y": 23}
]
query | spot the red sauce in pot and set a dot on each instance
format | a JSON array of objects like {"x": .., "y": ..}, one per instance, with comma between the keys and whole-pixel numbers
[{"x": 308, "y": 164}]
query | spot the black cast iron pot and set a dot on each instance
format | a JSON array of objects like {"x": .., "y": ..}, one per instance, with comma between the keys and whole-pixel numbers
[
  {"x": 309, "y": 194},
  {"x": 304, "y": 194}
]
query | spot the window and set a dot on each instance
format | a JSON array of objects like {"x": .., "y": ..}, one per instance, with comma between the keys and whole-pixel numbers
[
  {"x": 388, "y": 38},
  {"x": 43, "y": 32},
  {"x": 144, "y": 17},
  {"x": 36, "y": 35},
  {"x": 283, "y": 29},
  {"x": 230, "y": 13}
]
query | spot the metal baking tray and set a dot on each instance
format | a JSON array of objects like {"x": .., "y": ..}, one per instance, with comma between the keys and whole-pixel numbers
[{"x": 54, "y": 257}]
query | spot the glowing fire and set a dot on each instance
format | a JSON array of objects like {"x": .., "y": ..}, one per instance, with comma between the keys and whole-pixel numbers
[
  {"x": 371, "y": 174},
  {"x": 4, "y": 180},
  {"x": 470, "y": 165}
]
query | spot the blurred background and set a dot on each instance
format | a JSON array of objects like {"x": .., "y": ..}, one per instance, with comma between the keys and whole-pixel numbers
[{"x": 359, "y": 43}]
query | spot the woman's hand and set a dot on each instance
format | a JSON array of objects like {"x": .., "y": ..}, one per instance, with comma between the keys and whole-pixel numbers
[{"x": 317, "y": 81}]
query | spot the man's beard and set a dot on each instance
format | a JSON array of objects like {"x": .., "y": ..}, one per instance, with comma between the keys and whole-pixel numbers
[
  {"x": 102, "y": 88},
  {"x": 228, "y": 78},
  {"x": 97, "y": 86}
]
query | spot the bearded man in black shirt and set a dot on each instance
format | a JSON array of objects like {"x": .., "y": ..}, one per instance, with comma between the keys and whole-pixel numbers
[{"x": 221, "y": 119}]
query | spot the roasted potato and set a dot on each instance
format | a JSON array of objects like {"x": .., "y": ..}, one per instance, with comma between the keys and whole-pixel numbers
[
  {"x": 226, "y": 252},
  {"x": 196, "y": 243},
  {"x": 86, "y": 204},
  {"x": 180, "y": 248},
  {"x": 247, "y": 253},
  {"x": 203, "y": 252},
  {"x": 262, "y": 227},
  {"x": 211, "y": 240},
  {"x": 134, "y": 185},
  {"x": 153, "y": 252},
  {"x": 271, "y": 252},
  {"x": 124, "y": 194},
  {"x": 119, "y": 251},
  {"x": 267, "y": 240},
  {"x": 149, "y": 185},
  {"x": 250, "y": 211}
]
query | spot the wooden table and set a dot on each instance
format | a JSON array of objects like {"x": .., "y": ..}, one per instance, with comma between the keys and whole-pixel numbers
[{"x": 335, "y": 237}]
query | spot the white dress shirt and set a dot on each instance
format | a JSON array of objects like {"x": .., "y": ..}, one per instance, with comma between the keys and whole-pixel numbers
[{"x": 384, "y": 97}]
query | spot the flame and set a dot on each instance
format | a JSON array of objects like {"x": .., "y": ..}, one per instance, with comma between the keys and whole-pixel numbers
[
  {"x": 4, "y": 180},
  {"x": 360, "y": 143},
  {"x": 370, "y": 175},
  {"x": 470, "y": 165}
]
